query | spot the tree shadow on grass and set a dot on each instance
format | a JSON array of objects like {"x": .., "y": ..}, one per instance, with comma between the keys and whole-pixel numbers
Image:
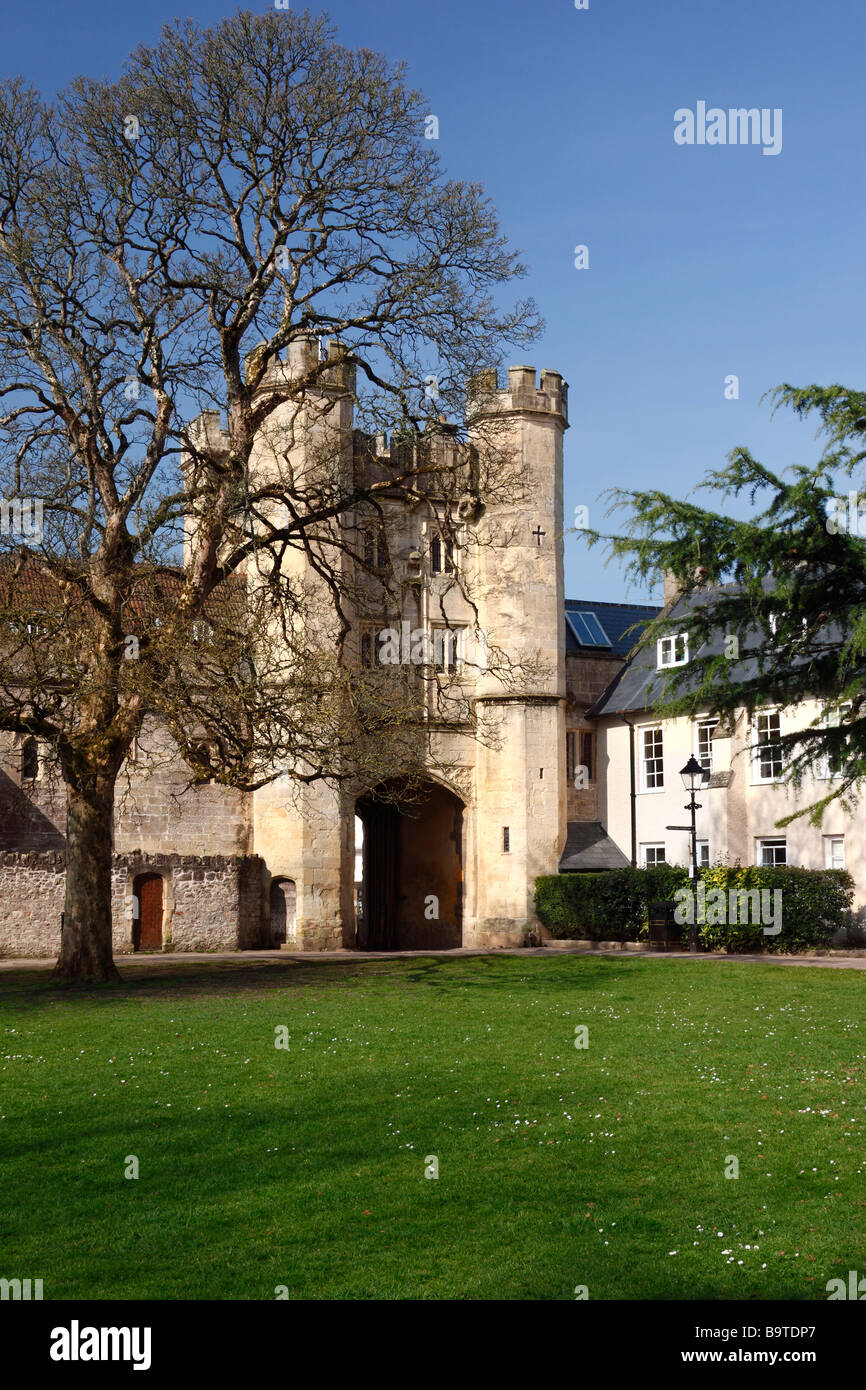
[{"x": 198, "y": 980}]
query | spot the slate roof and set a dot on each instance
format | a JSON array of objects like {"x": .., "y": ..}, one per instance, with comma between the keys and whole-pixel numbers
[
  {"x": 639, "y": 685},
  {"x": 617, "y": 621},
  {"x": 589, "y": 848}
]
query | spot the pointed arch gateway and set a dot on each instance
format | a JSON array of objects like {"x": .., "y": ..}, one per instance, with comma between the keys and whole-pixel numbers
[{"x": 410, "y": 896}]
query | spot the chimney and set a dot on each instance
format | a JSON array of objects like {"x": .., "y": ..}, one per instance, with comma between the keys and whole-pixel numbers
[{"x": 673, "y": 588}]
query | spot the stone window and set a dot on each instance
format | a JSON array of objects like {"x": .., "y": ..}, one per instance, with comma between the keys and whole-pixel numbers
[
  {"x": 570, "y": 748},
  {"x": 449, "y": 646},
  {"x": 587, "y": 754},
  {"x": 375, "y": 547},
  {"x": 29, "y": 760},
  {"x": 441, "y": 556},
  {"x": 382, "y": 556}
]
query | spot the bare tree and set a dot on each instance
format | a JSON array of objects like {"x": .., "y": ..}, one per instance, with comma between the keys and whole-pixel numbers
[{"x": 171, "y": 244}]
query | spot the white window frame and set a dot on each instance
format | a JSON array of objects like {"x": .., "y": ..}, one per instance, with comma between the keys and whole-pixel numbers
[
  {"x": 655, "y": 846},
  {"x": 667, "y": 646},
  {"x": 757, "y": 773},
  {"x": 775, "y": 841},
  {"x": 832, "y": 719},
  {"x": 660, "y": 759},
  {"x": 703, "y": 863},
  {"x": 829, "y": 842},
  {"x": 773, "y": 621},
  {"x": 712, "y": 725}
]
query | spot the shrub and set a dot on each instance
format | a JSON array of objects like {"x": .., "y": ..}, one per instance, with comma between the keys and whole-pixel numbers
[{"x": 613, "y": 906}]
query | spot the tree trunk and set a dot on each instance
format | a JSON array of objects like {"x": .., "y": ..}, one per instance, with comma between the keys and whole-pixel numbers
[{"x": 85, "y": 943}]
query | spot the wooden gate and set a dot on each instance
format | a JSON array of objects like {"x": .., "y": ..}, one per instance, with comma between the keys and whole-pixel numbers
[
  {"x": 147, "y": 931},
  {"x": 377, "y": 928}
]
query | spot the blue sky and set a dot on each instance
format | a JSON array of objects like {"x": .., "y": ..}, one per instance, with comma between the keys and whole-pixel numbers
[{"x": 704, "y": 261}]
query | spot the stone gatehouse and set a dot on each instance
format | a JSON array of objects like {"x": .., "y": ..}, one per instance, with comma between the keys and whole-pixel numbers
[{"x": 316, "y": 867}]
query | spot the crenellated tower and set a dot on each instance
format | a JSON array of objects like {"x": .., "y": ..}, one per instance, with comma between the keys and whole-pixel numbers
[{"x": 520, "y": 782}]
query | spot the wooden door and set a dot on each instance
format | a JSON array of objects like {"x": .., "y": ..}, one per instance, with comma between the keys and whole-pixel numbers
[{"x": 148, "y": 890}]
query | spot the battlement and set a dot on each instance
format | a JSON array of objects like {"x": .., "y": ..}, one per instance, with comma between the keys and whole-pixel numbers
[
  {"x": 207, "y": 434},
  {"x": 435, "y": 456},
  {"x": 522, "y": 393},
  {"x": 333, "y": 374}
]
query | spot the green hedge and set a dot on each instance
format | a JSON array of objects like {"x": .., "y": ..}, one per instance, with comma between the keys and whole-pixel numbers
[{"x": 613, "y": 906}]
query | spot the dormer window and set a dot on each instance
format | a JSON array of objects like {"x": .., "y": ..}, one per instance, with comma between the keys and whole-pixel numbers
[
  {"x": 774, "y": 621},
  {"x": 673, "y": 651}
]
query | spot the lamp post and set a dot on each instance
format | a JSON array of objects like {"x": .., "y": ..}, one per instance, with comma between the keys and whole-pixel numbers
[{"x": 691, "y": 774}]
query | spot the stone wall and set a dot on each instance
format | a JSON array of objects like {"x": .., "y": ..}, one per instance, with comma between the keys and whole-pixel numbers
[
  {"x": 155, "y": 807},
  {"x": 32, "y": 814},
  {"x": 211, "y": 902},
  {"x": 587, "y": 677},
  {"x": 32, "y": 887},
  {"x": 205, "y": 914}
]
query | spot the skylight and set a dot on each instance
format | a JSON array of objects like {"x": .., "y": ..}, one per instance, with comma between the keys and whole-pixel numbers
[{"x": 587, "y": 629}]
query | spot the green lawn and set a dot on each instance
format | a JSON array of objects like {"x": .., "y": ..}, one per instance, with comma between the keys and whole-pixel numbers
[{"x": 558, "y": 1167}]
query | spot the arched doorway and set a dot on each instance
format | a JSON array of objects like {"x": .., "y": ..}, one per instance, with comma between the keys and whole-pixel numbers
[
  {"x": 147, "y": 912},
  {"x": 412, "y": 870},
  {"x": 283, "y": 904}
]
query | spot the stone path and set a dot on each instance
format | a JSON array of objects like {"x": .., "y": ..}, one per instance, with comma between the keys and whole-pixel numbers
[{"x": 838, "y": 960}]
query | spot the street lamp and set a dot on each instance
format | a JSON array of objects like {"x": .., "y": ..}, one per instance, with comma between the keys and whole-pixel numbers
[{"x": 692, "y": 774}]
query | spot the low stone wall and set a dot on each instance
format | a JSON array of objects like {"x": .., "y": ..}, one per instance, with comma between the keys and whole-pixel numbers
[
  {"x": 212, "y": 902},
  {"x": 32, "y": 888},
  {"x": 205, "y": 915}
]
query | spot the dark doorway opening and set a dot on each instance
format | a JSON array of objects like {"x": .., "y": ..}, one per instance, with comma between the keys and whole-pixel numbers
[
  {"x": 284, "y": 897},
  {"x": 411, "y": 891},
  {"x": 147, "y": 913}
]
